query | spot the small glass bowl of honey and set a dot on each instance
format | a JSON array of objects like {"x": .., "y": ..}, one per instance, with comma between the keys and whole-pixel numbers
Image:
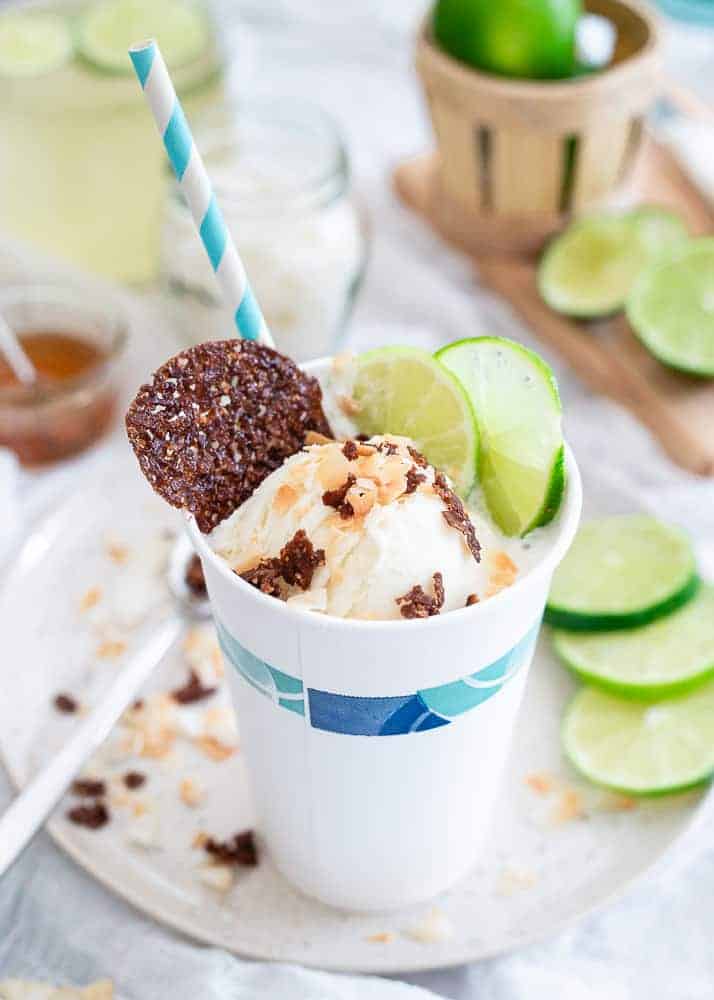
[{"x": 74, "y": 340}]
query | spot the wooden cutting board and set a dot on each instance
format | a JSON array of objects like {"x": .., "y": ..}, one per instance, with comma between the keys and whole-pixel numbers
[{"x": 678, "y": 409}]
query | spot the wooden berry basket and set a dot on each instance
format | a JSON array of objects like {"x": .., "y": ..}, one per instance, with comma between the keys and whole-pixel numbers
[{"x": 517, "y": 157}]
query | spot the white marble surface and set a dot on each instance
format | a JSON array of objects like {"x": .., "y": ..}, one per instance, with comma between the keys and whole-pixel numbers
[{"x": 356, "y": 60}]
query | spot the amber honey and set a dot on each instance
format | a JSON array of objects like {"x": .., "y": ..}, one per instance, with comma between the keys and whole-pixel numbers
[{"x": 70, "y": 405}]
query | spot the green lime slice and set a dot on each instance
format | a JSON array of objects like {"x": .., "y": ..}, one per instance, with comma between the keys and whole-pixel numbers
[
  {"x": 671, "y": 308},
  {"x": 33, "y": 44},
  {"x": 621, "y": 572},
  {"x": 517, "y": 406},
  {"x": 589, "y": 269},
  {"x": 670, "y": 656},
  {"x": 641, "y": 749},
  {"x": 106, "y": 31},
  {"x": 403, "y": 390}
]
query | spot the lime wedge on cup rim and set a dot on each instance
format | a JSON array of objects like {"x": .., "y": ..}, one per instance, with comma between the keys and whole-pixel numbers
[
  {"x": 590, "y": 268},
  {"x": 621, "y": 572},
  {"x": 641, "y": 749},
  {"x": 669, "y": 656},
  {"x": 403, "y": 390},
  {"x": 33, "y": 43},
  {"x": 671, "y": 308},
  {"x": 515, "y": 398},
  {"x": 107, "y": 29}
]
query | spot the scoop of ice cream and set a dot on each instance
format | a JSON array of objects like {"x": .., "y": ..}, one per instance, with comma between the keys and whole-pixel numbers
[{"x": 387, "y": 536}]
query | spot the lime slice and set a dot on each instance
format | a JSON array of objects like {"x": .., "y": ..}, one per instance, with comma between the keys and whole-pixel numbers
[
  {"x": 403, "y": 390},
  {"x": 671, "y": 308},
  {"x": 589, "y": 269},
  {"x": 621, "y": 572},
  {"x": 670, "y": 656},
  {"x": 515, "y": 398},
  {"x": 33, "y": 44},
  {"x": 641, "y": 749},
  {"x": 108, "y": 29}
]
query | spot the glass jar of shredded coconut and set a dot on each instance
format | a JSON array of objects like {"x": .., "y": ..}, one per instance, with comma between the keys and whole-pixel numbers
[{"x": 281, "y": 177}]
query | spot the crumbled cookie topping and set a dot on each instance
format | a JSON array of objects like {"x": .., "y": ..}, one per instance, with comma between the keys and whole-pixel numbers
[
  {"x": 471, "y": 599},
  {"x": 134, "y": 780},
  {"x": 296, "y": 565},
  {"x": 88, "y": 788},
  {"x": 414, "y": 478},
  {"x": 455, "y": 515},
  {"x": 350, "y": 451},
  {"x": 418, "y": 604},
  {"x": 91, "y": 816},
  {"x": 237, "y": 850},
  {"x": 65, "y": 703},
  {"x": 216, "y": 420},
  {"x": 192, "y": 690},
  {"x": 336, "y": 498},
  {"x": 194, "y": 578}
]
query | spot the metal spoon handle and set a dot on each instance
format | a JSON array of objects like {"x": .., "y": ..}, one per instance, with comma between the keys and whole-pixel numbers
[{"x": 34, "y": 804}]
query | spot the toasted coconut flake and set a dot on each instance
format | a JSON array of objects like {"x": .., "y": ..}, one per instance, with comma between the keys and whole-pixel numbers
[
  {"x": 110, "y": 649},
  {"x": 515, "y": 879},
  {"x": 213, "y": 749},
  {"x": 540, "y": 782},
  {"x": 433, "y": 928},
  {"x": 349, "y": 405},
  {"x": 90, "y": 598},
  {"x": 570, "y": 807},
  {"x": 382, "y": 937},
  {"x": 191, "y": 792}
]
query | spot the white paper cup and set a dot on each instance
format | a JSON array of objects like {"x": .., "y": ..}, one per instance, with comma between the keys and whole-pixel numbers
[{"x": 376, "y": 749}]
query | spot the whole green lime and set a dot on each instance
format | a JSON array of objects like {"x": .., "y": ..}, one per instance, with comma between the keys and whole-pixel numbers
[{"x": 532, "y": 39}]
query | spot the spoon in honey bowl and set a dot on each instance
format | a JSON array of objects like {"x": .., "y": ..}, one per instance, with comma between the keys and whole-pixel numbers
[
  {"x": 28, "y": 812},
  {"x": 15, "y": 356}
]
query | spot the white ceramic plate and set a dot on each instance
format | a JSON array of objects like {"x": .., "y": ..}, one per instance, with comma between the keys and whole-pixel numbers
[{"x": 542, "y": 867}]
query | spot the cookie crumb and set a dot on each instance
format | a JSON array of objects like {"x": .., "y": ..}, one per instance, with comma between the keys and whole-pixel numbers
[
  {"x": 238, "y": 850},
  {"x": 296, "y": 565},
  {"x": 414, "y": 478},
  {"x": 471, "y": 600},
  {"x": 91, "y": 816},
  {"x": 350, "y": 451},
  {"x": 88, "y": 788},
  {"x": 455, "y": 515},
  {"x": 134, "y": 780},
  {"x": 193, "y": 690},
  {"x": 418, "y": 604},
  {"x": 194, "y": 578},
  {"x": 336, "y": 498},
  {"x": 65, "y": 703}
]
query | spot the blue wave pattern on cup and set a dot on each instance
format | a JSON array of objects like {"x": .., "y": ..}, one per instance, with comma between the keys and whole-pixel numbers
[{"x": 374, "y": 716}]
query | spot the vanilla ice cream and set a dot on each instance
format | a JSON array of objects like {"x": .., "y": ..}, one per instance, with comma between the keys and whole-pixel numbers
[{"x": 389, "y": 537}]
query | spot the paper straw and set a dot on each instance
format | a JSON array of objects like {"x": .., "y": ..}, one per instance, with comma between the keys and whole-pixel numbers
[{"x": 196, "y": 188}]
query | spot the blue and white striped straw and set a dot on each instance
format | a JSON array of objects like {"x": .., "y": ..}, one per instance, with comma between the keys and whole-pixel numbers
[{"x": 196, "y": 188}]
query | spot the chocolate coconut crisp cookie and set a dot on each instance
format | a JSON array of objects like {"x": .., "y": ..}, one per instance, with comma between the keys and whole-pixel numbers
[{"x": 216, "y": 420}]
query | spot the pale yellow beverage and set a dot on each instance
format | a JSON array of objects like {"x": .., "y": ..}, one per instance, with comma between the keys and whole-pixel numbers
[{"x": 82, "y": 172}]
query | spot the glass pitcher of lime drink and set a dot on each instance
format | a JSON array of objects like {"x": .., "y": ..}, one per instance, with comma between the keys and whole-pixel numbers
[{"x": 81, "y": 173}]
